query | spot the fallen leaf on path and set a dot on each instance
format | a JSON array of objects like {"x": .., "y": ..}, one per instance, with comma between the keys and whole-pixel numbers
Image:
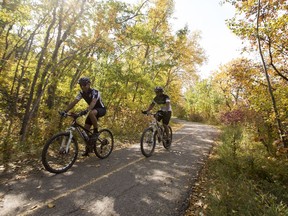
[{"x": 51, "y": 205}]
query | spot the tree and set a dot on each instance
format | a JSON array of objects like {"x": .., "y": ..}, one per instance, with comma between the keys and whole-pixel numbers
[
  {"x": 204, "y": 101},
  {"x": 265, "y": 26},
  {"x": 126, "y": 50}
]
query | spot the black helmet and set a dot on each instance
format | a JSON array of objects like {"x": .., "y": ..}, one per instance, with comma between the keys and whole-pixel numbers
[
  {"x": 158, "y": 89},
  {"x": 84, "y": 81}
]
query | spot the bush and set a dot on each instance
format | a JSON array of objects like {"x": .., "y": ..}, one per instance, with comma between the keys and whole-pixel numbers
[{"x": 241, "y": 179}]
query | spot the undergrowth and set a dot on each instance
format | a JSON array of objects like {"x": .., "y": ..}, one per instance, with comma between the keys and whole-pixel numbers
[{"x": 240, "y": 178}]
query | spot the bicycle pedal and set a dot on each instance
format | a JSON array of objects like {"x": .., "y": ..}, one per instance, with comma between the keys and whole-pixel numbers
[
  {"x": 94, "y": 136},
  {"x": 85, "y": 154}
]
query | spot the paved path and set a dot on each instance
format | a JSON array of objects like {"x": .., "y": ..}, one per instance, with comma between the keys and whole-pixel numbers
[{"x": 124, "y": 184}]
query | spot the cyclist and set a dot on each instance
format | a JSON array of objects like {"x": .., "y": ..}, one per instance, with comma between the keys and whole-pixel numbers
[
  {"x": 95, "y": 109},
  {"x": 165, "y": 111}
]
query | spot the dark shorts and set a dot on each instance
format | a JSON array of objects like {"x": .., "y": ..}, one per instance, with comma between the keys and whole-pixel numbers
[
  {"x": 100, "y": 112},
  {"x": 165, "y": 116}
]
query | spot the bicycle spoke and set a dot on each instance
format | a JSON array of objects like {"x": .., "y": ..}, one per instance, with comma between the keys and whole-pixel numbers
[
  {"x": 57, "y": 155},
  {"x": 148, "y": 142},
  {"x": 104, "y": 144},
  {"x": 167, "y": 142}
]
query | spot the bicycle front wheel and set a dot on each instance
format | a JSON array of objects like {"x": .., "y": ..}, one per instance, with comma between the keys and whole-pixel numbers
[
  {"x": 104, "y": 144},
  {"x": 147, "y": 142},
  {"x": 58, "y": 155}
]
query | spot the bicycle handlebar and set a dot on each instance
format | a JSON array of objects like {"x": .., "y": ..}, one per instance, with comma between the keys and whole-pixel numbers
[
  {"x": 71, "y": 114},
  {"x": 150, "y": 114}
]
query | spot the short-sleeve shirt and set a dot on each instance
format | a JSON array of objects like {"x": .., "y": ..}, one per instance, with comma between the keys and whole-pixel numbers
[
  {"x": 91, "y": 94},
  {"x": 162, "y": 100}
]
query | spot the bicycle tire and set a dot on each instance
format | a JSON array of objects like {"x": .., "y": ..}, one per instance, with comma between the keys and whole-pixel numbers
[
  {"x": 148, "y": 142},
  {"x": 54, "y": 158},
  {"x": 166, "y": 144},
  {"x": 104, "y": 144}
]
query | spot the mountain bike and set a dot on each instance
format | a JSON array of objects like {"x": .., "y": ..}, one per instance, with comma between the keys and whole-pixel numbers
[
  {"x": 155, "y": 132},
  {"x": 61, "y": 150}
]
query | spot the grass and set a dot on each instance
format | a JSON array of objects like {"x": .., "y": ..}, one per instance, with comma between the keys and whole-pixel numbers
[{"x": 240, "y": 178}]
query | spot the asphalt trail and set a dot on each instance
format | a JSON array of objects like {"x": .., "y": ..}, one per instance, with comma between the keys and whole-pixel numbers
[{"x": 124, "y": 184}]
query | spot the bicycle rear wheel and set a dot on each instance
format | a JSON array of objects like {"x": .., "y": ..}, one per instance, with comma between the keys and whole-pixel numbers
[
  {"x": 167, "y": 143},
  {"x": 57, "y": 157},
  {"x": 148, "y": 142},
  {"x": 104, "y": 144}
]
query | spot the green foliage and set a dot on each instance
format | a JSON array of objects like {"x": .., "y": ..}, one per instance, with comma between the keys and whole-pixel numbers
[
  {"x": 242, "y": 180},
  {"x": 126, "y": 50},
  {"x": 203, "y": 102}
]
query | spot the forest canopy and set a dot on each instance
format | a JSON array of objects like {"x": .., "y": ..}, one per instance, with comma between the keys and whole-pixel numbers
[{"x": 126, "y": 50}]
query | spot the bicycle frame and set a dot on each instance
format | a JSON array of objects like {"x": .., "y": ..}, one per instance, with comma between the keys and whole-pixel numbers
[
  {"x": 65, "y": 144},
  {"x": 154, "y": 133},
  {"x": 79, "y": 128},
  {"x": 61, "y": 150},
  {"x": 157, "y": 126}
]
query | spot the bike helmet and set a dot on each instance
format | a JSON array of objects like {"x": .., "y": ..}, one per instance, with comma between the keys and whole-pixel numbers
[
  {"x": 84, "y": 81},
  {"x": 158, "y": 89}
]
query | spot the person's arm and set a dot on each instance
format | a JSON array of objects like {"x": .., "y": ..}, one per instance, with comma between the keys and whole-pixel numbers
[
  {"x": 150, "y": 107},
  {"x": 71, "y": 105},
  {"x": 167, "y": 104},
  {"x": 92, "y": 104},
  {"x": 95, "y": 97}
]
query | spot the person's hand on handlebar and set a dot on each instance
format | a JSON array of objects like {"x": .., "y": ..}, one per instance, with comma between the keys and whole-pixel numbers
[
  {"x": 145, "y": 112},
  {"x": 63, "y": 113}
]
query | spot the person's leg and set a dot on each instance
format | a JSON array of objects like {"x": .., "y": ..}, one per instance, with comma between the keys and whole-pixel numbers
[
  {"x": 87, "y": 126},
  {"x": 165, "y": 121},
  {"x": 88, "y": 123},
  {"x": 92, "y": 115},
  {"x": 88, "y": 148},
  {"x": 166, "y": 130}
]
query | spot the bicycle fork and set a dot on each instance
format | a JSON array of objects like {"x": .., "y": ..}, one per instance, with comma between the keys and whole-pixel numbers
[
  {"x": 157, "y": 129},
  {"x": 66, "y": 144}
]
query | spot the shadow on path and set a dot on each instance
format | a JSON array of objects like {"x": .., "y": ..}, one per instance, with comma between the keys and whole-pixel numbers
[{"x": 126, "y": 183}]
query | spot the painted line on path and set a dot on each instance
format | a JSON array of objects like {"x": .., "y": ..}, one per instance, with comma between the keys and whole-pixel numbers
[{"x": 52, "y": 200}]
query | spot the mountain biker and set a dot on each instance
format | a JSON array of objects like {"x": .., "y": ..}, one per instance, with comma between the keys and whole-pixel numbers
[
  {"x": 165, "y": 111},
  {"x": 95, "y": 109}
]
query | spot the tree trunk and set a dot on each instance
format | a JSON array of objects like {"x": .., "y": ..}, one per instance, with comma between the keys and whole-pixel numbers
[
  {"x": 28, "y": 112},
  {"x": 280, "y": 129}
]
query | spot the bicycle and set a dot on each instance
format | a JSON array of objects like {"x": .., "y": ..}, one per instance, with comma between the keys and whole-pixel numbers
[
  {"x": 155, "y": 132},
  {"x": 61, "y": 150}
]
